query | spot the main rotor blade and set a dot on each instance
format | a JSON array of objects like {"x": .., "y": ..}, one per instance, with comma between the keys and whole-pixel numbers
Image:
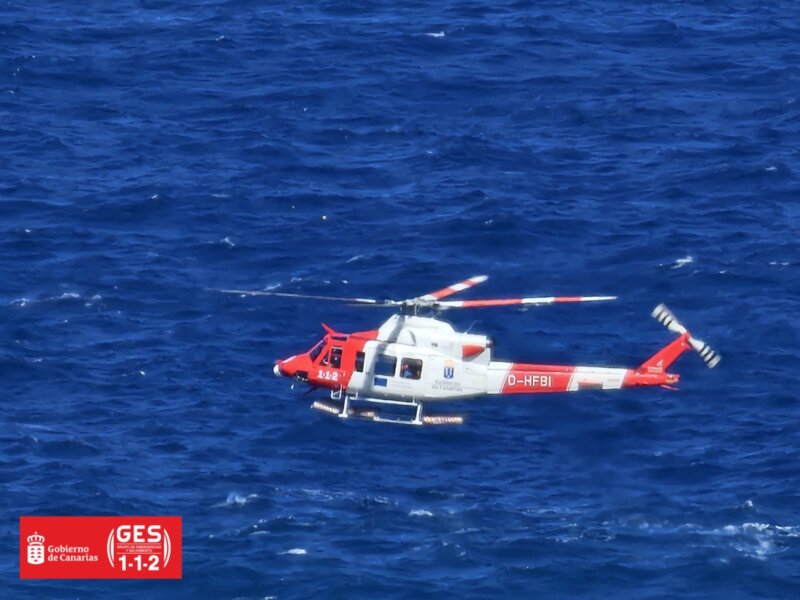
[
  {"x": 452, "y": 289},
  {"x": 513, "y": 301},
  {"x": 313, "y": 297}
]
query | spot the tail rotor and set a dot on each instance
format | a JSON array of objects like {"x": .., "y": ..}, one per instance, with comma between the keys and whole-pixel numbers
[{"x": 664, "y": 316}]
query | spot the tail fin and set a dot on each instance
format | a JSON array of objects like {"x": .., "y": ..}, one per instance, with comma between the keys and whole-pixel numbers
[
  {"x": 664, "y": 316},
  {"x": 661, "y": 360}
]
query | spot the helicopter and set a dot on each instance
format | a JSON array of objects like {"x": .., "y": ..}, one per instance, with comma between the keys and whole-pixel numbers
[{"x": 389, "y": 374}]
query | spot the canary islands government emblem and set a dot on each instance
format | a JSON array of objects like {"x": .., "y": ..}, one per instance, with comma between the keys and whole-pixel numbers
[{"x": 35, "y": 549}]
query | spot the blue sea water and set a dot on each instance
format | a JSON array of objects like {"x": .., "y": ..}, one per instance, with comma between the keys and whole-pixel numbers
[{"x": 153, "y": 151}]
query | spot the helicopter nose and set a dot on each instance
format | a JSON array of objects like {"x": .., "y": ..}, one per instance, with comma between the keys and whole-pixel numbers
[
  {"x": 277, "y": 368},
  {"x": 287, "y": 367},
  {"x": 284, "y": 367}
]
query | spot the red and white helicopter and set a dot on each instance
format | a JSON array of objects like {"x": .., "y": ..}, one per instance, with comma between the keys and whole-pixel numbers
[{"x": 388, "y": 374}]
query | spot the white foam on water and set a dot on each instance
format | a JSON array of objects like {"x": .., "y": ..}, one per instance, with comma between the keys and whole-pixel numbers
[
  {"x": 757, "y": 540},
  {"x": 318, "y": 494},
  {"x": 235, "y": 499},
  {"x": 435, "y": 34},
  {"x": 296, "y": 551},
  {"x": 92, "y": 300},
  {"x": 420, "y": 512},
  {"x": 228, "y": 242},
  {"x": 751, "y": 539},
  {"x": 682, "y": 262},
  {"x": 463, "y": 530},
  {"x": 355, "y": 258}
]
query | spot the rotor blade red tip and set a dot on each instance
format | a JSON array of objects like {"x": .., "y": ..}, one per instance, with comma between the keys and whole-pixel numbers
[
  {"x": 455, "y": 288},
  {"x": 498, "y": 302}
]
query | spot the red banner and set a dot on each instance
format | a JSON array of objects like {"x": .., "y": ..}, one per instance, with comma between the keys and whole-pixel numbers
[{"x": 100, "y": 547}]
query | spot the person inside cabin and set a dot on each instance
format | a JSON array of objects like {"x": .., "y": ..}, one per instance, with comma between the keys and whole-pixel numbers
[{"x": 405, "y": 370}]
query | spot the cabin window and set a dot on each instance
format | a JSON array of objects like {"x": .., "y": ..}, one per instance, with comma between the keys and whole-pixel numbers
[
  {"x": 360, "y": 362},
  {"x": 326, "y": 359},
  {"x": 411, "y": 368},
  {"x": 385, "y": 365},
  {"x": 336, "y": 358}
]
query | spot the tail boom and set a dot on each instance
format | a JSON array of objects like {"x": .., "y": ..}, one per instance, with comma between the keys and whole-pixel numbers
[{"x": 523, "y": 378}]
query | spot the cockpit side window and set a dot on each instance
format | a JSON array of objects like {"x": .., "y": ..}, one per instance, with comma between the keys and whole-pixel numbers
[{"x": 314, "y": 353}]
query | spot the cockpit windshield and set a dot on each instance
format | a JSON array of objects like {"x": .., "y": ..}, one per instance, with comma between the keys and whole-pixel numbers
[{"x": 314, "y": 353}]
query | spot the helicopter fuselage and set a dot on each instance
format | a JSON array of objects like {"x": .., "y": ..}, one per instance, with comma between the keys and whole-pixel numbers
[{"x": 422, "y": 359}]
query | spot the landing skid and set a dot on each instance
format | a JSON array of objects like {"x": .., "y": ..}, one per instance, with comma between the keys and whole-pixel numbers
[{"x": 378, "y": 410}]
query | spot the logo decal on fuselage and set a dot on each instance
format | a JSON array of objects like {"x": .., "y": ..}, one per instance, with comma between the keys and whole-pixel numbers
[{"x": 449, "y": 369}]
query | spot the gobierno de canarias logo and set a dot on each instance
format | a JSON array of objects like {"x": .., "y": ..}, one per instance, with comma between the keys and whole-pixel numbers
[{"x": 100, "y": 547}]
